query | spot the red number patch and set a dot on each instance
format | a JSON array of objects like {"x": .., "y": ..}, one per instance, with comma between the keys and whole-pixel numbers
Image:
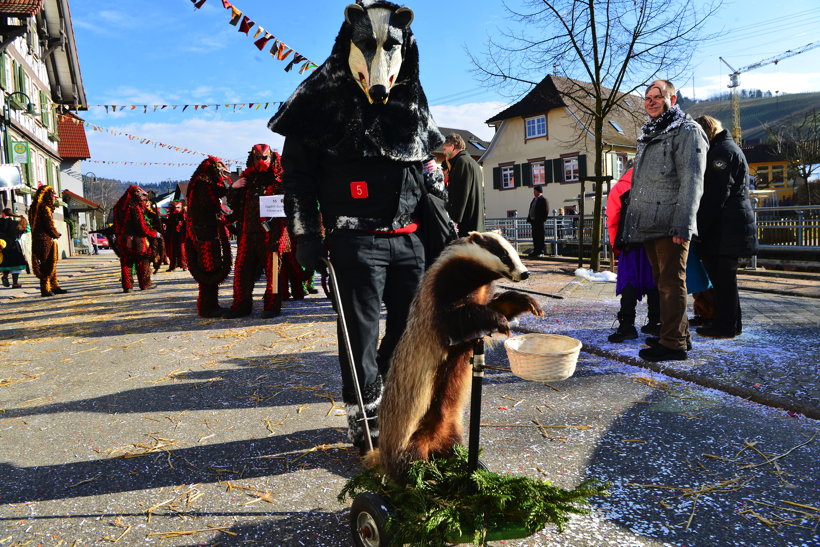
[{"x": 358, "y": 190}]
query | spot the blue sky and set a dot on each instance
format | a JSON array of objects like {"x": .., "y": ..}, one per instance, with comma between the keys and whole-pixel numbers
[{"x": 153, "y": 52}]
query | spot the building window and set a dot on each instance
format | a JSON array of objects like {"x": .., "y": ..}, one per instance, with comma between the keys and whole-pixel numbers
[
  {"x": 507, "y": 177},
  {"x": 538, "y": 173},
  {"x": 762, "y": 177},
  {"x": 536, "y": 127},
  {"x": 571, "y": 169},
  {"x": 512, "y": 213},
  {"x": 778, "y": 180},
  {"x": 617, "y": 127},
  {"x": 478, "y": 145}
]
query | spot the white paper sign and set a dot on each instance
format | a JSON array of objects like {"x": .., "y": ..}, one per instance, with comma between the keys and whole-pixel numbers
[{"x": 272, "y": 206}]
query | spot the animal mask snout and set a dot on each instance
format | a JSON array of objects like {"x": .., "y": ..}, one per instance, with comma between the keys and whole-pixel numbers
[
  {"x": 524, "y": 275},
  {"x": 378, "y": 93}
]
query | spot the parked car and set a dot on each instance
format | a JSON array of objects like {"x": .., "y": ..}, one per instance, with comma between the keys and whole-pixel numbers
[{"x": 100, "y": 240}]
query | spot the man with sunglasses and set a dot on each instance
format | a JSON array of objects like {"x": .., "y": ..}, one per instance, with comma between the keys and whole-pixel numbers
[{"x": 666, "y": 188}]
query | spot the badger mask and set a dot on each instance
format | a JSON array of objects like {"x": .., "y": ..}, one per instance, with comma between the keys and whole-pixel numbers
[
  {"x": 375, "y": 48},
  {"x": 366, "y": 98}
]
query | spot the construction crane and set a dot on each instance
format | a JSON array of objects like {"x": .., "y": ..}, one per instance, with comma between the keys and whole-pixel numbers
[{"x": 734, "y": 81}]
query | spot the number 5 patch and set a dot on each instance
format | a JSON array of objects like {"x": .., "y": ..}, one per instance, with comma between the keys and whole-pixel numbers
[{"x": 358, "y": 190}]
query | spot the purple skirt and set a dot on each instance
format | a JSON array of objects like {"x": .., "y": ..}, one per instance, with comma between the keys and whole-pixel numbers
[{"x": 634, "y": 269}]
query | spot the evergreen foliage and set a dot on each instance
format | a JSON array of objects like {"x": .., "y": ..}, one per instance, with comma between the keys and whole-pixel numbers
[{"x": 438, "y": 506}]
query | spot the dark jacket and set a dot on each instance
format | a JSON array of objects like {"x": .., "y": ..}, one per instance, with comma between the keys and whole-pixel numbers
[
  {"x": 345, "y": 192},
  {"x": 466, "y": 194},
  {"x": 726, "y": 223},
  {"x": 538, "y": 210}
]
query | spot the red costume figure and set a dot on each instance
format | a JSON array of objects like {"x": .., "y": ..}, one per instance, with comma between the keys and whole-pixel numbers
[
  {"x": 43, "y": 245},
  {"x": 175, "y": 237},
  {"x": 134, "y": 238},
  {"x": 261, "y": 239},
  {"x": 207, "y": 243}
]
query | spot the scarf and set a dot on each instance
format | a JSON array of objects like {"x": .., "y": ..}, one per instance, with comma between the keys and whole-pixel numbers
[{"x": 667, "y": 121}]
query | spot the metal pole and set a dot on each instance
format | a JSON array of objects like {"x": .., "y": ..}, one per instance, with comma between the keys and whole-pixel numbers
[
  {"x": 477, "y": 360},
  {"x": 754, "y": 211}
]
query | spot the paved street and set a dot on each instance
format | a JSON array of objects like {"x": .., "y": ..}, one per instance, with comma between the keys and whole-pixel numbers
[{"x": 126, "y": 418}]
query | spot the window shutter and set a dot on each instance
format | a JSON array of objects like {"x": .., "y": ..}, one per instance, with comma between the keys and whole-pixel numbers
[
  {"x": 496, "y": 178},
  {"x": 526, "y": 174},
  {"x": 516, "y": 175},
  {"x": 21, "y": 78},
  {"x": 44, "y": 110},
  {"x": 548, "y": 178},
  {"x": 558, "y": 169},
  {"x": 50, "y": 174},
  {"x": 582, "y": 166},
  {"x": 3, "y": 76},
  {"x": 15, "y": 75}
]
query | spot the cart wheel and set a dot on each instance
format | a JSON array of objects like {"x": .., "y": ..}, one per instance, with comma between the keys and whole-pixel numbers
[{"x": 368, "y": 517}]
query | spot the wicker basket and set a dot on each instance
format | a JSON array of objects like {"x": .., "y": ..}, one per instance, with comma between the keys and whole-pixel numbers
[{"x": 543, "y": 357}]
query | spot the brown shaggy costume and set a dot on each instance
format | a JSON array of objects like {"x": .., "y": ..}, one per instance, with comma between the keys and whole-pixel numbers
[{"x": 44, "y": 252}]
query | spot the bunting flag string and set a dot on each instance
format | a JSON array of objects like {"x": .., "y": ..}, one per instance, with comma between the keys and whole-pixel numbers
[
  {"x": 140, "y": 140},
  {"x": 279, "y": 50},
  {"x": 145, "y": 108},
  {"x": 146, "y": 163}
]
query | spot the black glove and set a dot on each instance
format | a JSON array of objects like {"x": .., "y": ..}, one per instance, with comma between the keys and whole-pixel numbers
[{"x": 310, "y": 250}]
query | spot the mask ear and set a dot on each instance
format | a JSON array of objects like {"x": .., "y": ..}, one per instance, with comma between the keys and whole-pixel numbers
[
  {"x": 354, "y": 13},
  {"x": 402, "y": 18}
]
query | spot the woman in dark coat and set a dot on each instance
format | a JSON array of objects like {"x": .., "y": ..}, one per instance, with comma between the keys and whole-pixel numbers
[
  {"x": 726, "y": 226},
  {"x": 14, "y": 262}
]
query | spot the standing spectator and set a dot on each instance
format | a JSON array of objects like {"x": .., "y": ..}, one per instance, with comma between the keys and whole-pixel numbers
[
  {"x": 536, "y": 217},
  {"x": 175, "y": 237},
  {"x": 44, "y": 252},
  {"x": 134, "y": 237},
  {"x": 726, "y": 226},
  {"x": 261, "y": 239},
  {"x": 634, "y": 271},
  {"x": 207, "y": 242},
  {"x": 666, "y": 189},
  {"x": 465, "y": 187},
  {"x": 14, "y": 262}
]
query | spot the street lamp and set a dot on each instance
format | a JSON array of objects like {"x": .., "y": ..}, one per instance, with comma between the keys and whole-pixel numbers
[
  {"x": 7, "y": 107},
  {"x": 90, "y": 176}
]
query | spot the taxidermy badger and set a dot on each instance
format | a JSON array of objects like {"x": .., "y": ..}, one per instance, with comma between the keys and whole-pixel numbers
[{"x": 429, "y": 376}]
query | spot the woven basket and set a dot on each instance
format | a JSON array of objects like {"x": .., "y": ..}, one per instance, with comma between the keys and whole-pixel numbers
[{"x": 543, "y": 357}]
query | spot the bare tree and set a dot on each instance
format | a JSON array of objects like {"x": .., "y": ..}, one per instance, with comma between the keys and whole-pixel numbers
[
  {"x": 799, "y": 142},
  {"x": 616, "y": 46},
  {"x": 106, "y": 192}
]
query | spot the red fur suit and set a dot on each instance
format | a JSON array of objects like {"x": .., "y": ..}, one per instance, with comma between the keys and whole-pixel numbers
[
  {"x": 175, "y": 238},
  {"x": 133, "y": 238},
  {"x": 207, "y": 242},
  {"x": 44, "y": 253},
  {"x": 259, "y": 249}
]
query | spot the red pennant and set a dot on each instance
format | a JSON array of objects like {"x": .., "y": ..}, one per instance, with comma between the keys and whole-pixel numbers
[
  {"x": 262, "y": 42},
  {"x": 226, "y": 4},
  {"x": 245, "y": 25}
]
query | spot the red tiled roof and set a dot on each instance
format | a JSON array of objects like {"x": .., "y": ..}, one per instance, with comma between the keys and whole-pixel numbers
[
  {"x": 73, "y": 143},
  {"x": 20, "y": 7},
  {"x": 69, "y": 196}
]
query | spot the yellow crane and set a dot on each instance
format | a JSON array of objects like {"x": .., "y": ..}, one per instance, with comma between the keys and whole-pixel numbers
[{"x": 734, "y": 82}]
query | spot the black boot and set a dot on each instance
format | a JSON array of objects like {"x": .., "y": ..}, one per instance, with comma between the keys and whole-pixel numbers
[{"x": 626, "y": 330}]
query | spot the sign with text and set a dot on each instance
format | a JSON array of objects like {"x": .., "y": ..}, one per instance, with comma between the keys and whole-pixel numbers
[
  {"x": 272, "y": 206},
  {"x": 19, "y": 151}
]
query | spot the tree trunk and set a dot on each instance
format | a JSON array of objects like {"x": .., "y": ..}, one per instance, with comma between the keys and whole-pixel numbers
[{"x": 597, "y": 216}]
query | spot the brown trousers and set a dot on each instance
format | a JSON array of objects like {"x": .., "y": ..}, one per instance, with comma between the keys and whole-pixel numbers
[{"x": 668, "y": 260}]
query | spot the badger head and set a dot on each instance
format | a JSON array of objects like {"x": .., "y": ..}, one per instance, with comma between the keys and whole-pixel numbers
[
  {"x": 377, "y": 37},
  {"x": 495, "y": 253}
]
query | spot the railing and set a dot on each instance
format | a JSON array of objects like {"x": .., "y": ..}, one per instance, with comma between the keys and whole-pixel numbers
[
  {"x": 779, "y": 229},
  {"x": 792, "y": 228},
  {"x": 560, "y": 232}
]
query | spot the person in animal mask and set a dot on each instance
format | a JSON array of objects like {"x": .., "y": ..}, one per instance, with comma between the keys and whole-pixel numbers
[
  {"x": 134, "y": 238},
  {"x": 44, "y": 253},
  {"x": 357, "y": 132},
  {"x": 261, "y": 239}
]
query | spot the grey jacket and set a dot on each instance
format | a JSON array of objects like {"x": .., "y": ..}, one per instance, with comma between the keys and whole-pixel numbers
[{"x": 667, "y": 184}]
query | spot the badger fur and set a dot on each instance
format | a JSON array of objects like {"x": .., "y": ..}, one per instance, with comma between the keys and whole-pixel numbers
[{"x": 426, "y": 388}]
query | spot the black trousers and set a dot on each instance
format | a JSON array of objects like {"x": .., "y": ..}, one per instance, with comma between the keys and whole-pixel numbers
[
  {"x": 722, "y": 271},
  {"x": 538, "y": 237},
  {"x": 373, "y": 269},
  {"x": 629, "y": 301}
]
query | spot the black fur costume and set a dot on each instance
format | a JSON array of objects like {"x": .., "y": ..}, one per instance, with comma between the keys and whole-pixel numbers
[
  {"x": 335, "y": 137},
  {"x": 207, "y": 243}
]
